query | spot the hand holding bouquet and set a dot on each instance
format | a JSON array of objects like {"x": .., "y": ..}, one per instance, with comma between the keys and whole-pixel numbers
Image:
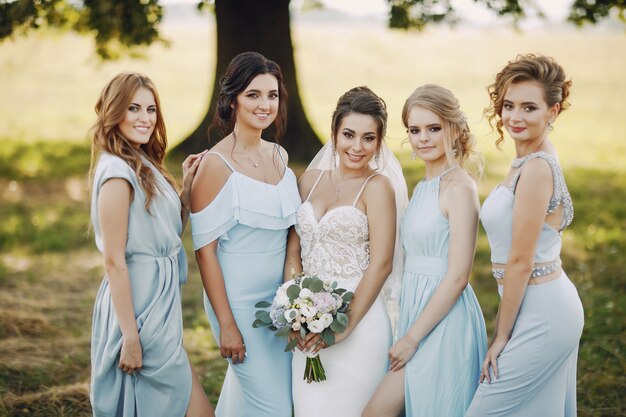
[{"x": 306, "y": 304}]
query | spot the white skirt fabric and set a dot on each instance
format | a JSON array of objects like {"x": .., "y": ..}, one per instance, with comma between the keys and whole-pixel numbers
[{"x": 354, "y": 368}]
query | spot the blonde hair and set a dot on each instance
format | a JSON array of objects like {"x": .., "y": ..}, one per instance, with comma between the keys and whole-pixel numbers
[
  {"x": 111, "y": 108},
  {"x": 458, "y": 140},
  {"x": 529, "y": 67}
]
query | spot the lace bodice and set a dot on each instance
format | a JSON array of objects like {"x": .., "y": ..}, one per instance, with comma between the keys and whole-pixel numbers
[{"x": 337, "y": 245}]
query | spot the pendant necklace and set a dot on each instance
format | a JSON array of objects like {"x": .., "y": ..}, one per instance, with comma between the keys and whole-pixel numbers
[{"x": 255, "y": 163}]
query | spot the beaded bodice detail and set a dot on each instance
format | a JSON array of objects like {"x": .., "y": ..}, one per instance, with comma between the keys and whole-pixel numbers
[
  {"x": 496, "y": 216},
  {"x": 560, "y": 194},
  {"x": 337, "y": 245}
]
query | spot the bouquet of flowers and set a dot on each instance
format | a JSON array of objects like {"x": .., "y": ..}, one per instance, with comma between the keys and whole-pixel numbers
[{"x": 306, "y": 304}]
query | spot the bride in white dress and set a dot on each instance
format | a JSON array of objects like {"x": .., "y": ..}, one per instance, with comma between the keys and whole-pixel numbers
[{"x": 346, "y": 232}]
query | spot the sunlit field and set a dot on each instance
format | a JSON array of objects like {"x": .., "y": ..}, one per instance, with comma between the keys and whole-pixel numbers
[{"x": 50, "y": 270}]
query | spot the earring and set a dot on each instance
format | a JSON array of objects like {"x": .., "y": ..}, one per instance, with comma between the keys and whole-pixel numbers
[
  {"x": 550, "y": 127},
  {"x": 413, "y": 156}
]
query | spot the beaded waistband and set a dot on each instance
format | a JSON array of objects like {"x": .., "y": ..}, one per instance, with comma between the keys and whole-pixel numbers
[{"x": 539, "y": 271}]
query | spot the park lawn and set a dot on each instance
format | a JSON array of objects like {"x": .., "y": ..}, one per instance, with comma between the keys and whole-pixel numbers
[{"x": 50, "y": 270}]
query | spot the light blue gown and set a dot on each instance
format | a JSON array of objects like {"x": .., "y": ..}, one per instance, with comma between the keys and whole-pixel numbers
[
  {"x": 537, "y": 367},
  {"x": 442, "y": 376},
  {"x": 157, "y": 266},
  {"x": 251, "y": 219}
]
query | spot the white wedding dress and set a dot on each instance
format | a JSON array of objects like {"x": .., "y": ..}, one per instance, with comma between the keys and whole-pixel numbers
[{"x": 336, "y": 247}]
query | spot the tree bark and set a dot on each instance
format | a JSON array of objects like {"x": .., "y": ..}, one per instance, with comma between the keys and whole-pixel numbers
[{"x": 264, "y": 27}]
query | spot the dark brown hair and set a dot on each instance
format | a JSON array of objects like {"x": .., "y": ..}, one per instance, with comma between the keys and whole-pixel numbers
[
  {"x": 361, "y": 100},
  {"x": 239, "y": 74}
]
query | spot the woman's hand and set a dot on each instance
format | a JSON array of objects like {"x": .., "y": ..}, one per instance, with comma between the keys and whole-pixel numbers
[
  {"x": 231, "y": 343},
  {"x": 401, "y": 352},
  {"x": 313, "y": 343},
  {"x": 491, "y": 359},
  {"x": 131, "y": 354},
  {"x": 190, "y": 167}
]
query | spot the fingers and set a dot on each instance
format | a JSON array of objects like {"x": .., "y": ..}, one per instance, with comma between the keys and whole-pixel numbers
[
  {"x": 311, "y": 341},
  {"x": 236, "y": 355},
  {"x": 193, "y": 159},
  {"x": 484, "y": 374}
]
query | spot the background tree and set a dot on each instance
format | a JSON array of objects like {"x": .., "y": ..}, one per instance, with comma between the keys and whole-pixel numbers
[{"x": 248, "y": 25}]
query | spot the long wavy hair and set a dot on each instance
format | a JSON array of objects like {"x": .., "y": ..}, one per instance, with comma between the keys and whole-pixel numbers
[
  {"x": 111, "y": 108},
  {"x": 529, "y": 67}
]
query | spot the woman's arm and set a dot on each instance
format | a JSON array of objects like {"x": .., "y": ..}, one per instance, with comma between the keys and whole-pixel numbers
[
  {"x": 211, "y": 177},
  {"x": 532, "y": 197},
  {"x": 190, "y": 167},
  {"x": 460, "y": 201},
  {"x": 113, "y": 204}
]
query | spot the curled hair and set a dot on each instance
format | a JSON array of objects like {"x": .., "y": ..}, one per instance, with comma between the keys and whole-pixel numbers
[
  {"x": 529, "y": 67},
  {"x": 361, "y": 100},
  {"x": 238, "y": 75},
  {"x": 458, "y": 141},
  {"x": 111, "y": 108}
]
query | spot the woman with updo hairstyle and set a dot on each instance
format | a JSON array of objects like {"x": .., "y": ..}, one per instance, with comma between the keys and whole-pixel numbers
[
  {"x": 138, "y": 364},
  {"x": 346, "y": 233},
  {"x": 243, "y": 200},
  {"x": 435, "y": 364},
  {"x": 530, "y": 367}
]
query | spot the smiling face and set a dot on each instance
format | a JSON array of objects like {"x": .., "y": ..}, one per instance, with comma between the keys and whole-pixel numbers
[
  {"x": 140, "y": 119},
  {"x": 356, "y": 140},
  {"x": 257, "y": 104},
  {"x": 525, "y": 113},
  {"x": 426, "y": 135}
]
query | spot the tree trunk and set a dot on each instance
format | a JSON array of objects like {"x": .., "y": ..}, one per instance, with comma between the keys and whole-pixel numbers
[{"x": 261, "y": 26}]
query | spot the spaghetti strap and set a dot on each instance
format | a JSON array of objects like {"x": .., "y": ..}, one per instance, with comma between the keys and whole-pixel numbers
[
  {"x": 223, "y": 159},
  {"x": 317, "y": 181},
  {"x": 358, "y": 195},
  {"x": 448, "y": 170}
]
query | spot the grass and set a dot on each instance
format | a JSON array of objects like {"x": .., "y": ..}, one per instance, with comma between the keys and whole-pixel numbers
[{"x": 50, "y": 270}]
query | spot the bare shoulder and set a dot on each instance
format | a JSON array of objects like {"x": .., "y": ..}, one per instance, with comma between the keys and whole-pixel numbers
[
  {"x": 378, "y": 187},
  {"x": 537, "y": 169},
  {"x": 458, "y": 181},
  {"x": 307, "y": 180}
]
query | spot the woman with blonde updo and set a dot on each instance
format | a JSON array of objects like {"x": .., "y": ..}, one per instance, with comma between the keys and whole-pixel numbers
[
  {"x": 530, "y": 367},
  {"x": 435, "y": 364}
]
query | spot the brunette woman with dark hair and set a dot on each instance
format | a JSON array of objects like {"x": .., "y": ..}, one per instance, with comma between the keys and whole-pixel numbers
[{"x": 244, "y": 200}]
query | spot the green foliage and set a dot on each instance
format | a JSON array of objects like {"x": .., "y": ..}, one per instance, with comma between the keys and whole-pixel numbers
[
  {"x": 586, "y": 11},
  {"x": 42, "y": 160},
  {"x": 405, "y": 14}
]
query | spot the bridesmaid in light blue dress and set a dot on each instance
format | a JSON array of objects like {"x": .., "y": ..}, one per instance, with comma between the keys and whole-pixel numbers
[
  {"x": 244, "y": 200},
  {"x": 435, "y": 364},
  {"x": 530, "y": 367},
  {"x": 139, "y": 366}
]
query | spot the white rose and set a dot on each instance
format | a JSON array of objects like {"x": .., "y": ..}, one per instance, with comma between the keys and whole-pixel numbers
[
  {"x": 316, "y": 326},
  {"x": 291, "y": 314},
  {"x": 305, "y": 293},
  {"x": 308, "y": 311},
  {"x": 281, "y": 298},
  {"x": 296, "y": 326},
  {"x": 326, "y": 320}
]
